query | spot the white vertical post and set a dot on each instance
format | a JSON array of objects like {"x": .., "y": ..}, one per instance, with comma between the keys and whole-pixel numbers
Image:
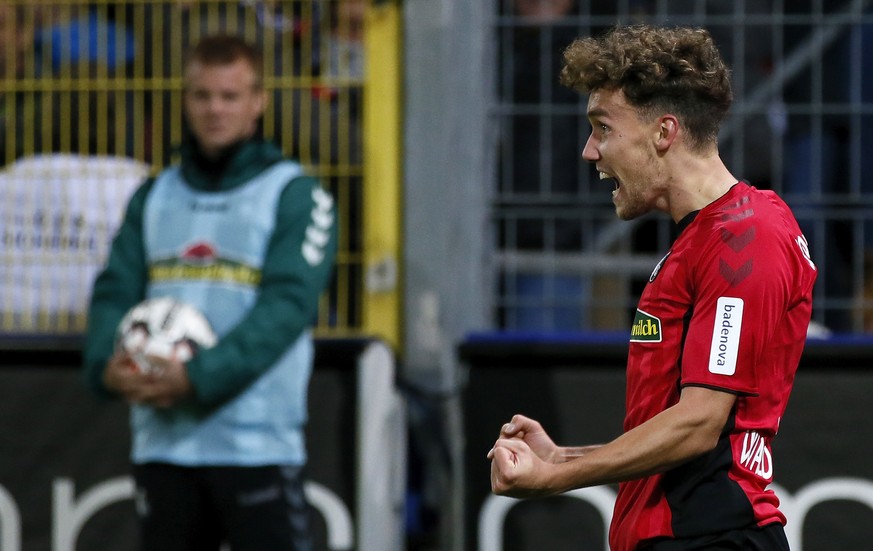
[{"x": 381, "y": 448}]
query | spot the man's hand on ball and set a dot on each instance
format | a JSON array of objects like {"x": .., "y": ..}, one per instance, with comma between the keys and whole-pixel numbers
[
  {"x": 122, "y": 377},
  {"x": 168, "y": 383}
]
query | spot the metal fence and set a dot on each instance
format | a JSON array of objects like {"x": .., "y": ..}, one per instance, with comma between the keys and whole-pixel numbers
[
  {"x": 801, "y": 124},
  {"x": 90, "y": 103}
]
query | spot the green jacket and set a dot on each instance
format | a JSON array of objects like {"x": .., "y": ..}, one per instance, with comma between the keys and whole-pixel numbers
[{"x": 288, "y": 292}]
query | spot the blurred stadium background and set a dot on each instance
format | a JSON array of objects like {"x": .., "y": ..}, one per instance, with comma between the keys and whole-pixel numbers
[{"x": 467, "y": 215}]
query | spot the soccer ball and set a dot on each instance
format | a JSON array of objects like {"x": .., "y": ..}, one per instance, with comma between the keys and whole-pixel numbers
[{"x": 163, "y": 327}]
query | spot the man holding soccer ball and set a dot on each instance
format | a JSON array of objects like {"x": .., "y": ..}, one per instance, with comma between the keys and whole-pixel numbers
[
  {"x": 719, "y": 328},
  {"x": 240, "y": 234}
]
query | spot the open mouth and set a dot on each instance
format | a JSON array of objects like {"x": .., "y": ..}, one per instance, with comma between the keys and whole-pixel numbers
[{"x": 607, "y": 176}]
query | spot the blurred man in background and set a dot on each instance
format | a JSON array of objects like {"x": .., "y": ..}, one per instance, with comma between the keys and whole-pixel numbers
[{"x": 242, "y": 234}]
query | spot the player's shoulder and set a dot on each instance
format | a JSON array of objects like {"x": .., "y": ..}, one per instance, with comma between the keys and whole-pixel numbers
[
  {"x": 747, "y": 205},
  {"x": 303, "y": 187},
  {"x": 746, "y": 219}
]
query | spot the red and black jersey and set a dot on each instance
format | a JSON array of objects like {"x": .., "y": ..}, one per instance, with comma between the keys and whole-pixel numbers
[{"x": 727, "y": 308}]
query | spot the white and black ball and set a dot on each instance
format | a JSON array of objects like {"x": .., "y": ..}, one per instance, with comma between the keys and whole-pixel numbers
[{"x": 163, "y": 327}]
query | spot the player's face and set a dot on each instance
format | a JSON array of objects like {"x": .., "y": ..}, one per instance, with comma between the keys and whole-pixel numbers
[
  {"x": 222, "y": 104},
  {"x": 621, "y": 146}
]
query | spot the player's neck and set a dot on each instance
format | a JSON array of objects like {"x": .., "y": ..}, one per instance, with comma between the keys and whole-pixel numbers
[{"x": 696, "y": 182}]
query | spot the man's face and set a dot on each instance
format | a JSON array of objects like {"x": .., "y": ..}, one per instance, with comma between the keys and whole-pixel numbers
[
  {"x": 222, "y": 104},
  {"x": 622, "y": 147}
]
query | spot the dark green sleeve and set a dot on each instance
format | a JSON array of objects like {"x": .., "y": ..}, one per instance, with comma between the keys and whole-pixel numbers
[
  {"x": 299, "y": 263},
  {"x": 116, "y": 289}
]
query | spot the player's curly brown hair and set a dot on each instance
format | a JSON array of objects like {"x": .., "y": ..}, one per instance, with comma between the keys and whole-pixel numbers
[{"x": 660, "y": 69}]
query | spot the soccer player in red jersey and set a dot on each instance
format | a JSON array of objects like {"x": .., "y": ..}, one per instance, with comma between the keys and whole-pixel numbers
[{"x": 719, "y": 329}]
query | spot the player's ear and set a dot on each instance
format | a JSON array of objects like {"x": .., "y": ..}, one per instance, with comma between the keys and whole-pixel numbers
[
  {"x": 667, "y": 131},
  {"x": 261, "y": 102}
]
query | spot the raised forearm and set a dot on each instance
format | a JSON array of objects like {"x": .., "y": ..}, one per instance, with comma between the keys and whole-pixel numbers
[
  {"x": 569, "y": 453},
  {"x": 680, "y": 433}
]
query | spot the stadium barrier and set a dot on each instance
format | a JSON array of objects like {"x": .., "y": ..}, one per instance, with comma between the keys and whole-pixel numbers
[
  {"x": 64, "y": 472},
  {"x": 575, "y": 387}
]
